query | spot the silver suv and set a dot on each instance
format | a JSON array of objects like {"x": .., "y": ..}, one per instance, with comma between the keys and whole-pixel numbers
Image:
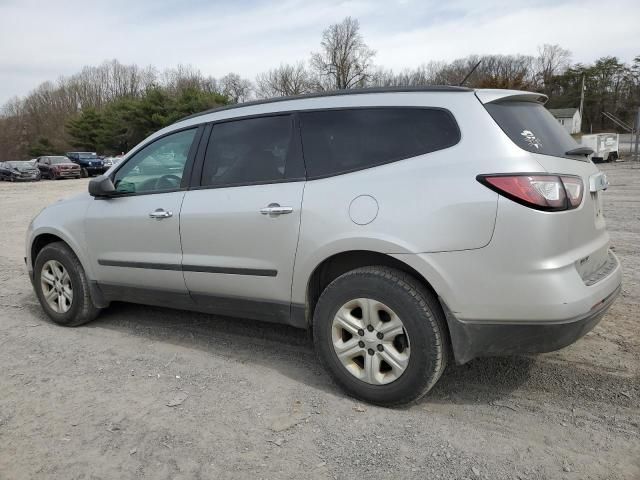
[{"x": 405, "y": 228}]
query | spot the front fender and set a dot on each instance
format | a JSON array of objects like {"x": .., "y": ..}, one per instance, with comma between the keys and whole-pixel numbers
[{"x": 64, "y": 220}]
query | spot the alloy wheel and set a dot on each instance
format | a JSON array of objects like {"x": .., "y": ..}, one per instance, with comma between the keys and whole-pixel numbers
[
  {"x": 370, "y": 341},
  {"x": 56, "y": 286}
]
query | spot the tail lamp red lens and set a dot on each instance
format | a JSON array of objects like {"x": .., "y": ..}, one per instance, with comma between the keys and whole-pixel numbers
[{"x": 542, "y": 192}]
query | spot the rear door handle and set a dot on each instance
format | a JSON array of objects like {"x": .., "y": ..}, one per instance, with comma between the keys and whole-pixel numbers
[
  {"x": 160, "y": 213},
  {"x": 275, "y": 209}
]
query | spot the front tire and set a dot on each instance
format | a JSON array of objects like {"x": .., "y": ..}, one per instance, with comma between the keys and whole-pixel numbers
[
  {"x": 62, "y": 287},
  {"x": 381, "y": 335}
]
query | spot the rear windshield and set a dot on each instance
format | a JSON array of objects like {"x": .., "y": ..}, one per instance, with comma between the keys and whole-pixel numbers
[{"x": 532, "y": 127}]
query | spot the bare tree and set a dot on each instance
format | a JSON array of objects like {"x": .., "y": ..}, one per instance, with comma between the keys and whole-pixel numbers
[
  {"x": 552, "y": 60},
  {"x": 182, "y": 77},
  {"x": 283, "y": 81},
  {"x": 344, "y": 61},
  {"x": 237, "y": 89}
]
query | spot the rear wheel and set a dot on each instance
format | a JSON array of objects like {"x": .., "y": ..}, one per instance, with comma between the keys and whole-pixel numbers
[
  {"x": 62, "y": 287},
  {"x": 381, "y": 335}
]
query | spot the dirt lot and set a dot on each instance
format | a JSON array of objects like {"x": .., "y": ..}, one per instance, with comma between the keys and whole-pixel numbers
[{"x": 91, "y": 402}]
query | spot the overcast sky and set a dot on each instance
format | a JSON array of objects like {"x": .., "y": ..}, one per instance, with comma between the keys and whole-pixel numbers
[{"x": 43, "y": 39}]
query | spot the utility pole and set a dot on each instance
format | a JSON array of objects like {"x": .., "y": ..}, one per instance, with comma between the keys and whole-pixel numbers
[
  {"x": 581, "y": 102},
  {"x": 637, "y": 125}
]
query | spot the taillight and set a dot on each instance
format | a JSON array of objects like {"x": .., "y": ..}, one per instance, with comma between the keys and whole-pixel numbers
[
  {"x": 573, "y": 188},
  {"x": 550, "y": 193}
]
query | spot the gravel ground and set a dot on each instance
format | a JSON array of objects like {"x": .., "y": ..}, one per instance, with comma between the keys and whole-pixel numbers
[{"x": 250, "y": 400}]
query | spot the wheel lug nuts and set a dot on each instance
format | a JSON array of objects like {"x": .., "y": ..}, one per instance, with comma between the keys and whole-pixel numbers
[
  {"x": 380, "y": 335},
  {"x": 361, "y": 332},
  {"x": 370, "y": 328},
  {"x": 371, "y": 352},
  {"x": 380, "y": 348},
  {"x": 361, "y": 344}
]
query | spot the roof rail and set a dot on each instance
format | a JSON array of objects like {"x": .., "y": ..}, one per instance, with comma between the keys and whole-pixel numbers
[{"x": 333, "y": 93}]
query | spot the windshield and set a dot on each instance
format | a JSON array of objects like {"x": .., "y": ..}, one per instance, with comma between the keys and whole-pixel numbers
[
  {"x": 57, "y": 160},
  {"x": 87, "y": 155},
  {"x": 532, "y": 127}
]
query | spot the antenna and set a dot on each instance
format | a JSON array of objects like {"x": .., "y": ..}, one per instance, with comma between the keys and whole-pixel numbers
[{"x": 469, "y": 74}]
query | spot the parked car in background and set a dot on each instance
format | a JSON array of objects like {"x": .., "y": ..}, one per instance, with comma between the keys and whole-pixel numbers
[
  {"x": 111, "y": 161},
  {"x": 19, "y": 171},
  {"x": 89, "y": 163},
  {"x": 54, "y": 167},
  {"x": 404, "y": 227}
]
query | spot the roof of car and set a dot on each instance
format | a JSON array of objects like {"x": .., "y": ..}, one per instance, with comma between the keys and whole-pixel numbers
[
  {"x": 563, "y": 112},
  {"x": 333, "y": 93}
]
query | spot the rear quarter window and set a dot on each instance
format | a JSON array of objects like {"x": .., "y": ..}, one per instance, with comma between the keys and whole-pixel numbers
[
  {"x": 346, "y": 140},
  {"x": 533, "y": 128}
]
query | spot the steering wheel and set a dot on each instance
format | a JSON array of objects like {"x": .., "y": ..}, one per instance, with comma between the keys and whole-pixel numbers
[{"x": 168, "y": 181}]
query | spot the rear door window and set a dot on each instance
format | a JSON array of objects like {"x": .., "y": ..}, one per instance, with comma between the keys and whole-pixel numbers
[
  {"x": 250, "y": 151},
  {"x": 532, "y": 127},
  {"x": 345, "y": 140}
]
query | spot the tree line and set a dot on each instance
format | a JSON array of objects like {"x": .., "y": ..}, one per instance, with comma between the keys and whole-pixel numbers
[{"x": 111, "y": 107}]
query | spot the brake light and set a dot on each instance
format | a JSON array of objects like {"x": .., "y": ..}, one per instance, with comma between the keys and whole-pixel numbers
[
  {"x": 573, "y": 187},
  {"x": 549, "y": 193}
]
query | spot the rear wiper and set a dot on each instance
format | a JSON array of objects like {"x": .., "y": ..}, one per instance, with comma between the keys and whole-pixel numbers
[{"x": 580, "y": 151}]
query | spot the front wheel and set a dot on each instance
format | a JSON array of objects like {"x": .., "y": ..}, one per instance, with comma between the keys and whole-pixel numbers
[
  {"x": 381, "y": 335},
  {"x": 62, "y": 287}
]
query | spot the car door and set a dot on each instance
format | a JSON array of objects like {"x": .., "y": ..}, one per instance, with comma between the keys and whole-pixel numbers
[
  {"x": 133, "y": 237},
  {"x": 239, "y": 225}
]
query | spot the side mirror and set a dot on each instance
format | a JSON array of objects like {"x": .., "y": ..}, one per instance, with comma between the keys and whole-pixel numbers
[{"x": 101, "y": 186}]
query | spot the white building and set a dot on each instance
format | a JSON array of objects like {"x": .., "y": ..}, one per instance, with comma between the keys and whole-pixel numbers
[{"x": 569, "y": 118}]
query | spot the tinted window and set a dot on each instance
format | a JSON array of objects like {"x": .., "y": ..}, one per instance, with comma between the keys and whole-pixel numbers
[
  {"x": 337, "y": 141},
  {"x": 248, "y": 151},
  {"x": 532, "y": 127},
  {"x": 158, "y": 166}
]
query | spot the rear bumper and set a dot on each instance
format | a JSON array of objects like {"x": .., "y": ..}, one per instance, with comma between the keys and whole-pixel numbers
[{"x": 481, "y": 339}]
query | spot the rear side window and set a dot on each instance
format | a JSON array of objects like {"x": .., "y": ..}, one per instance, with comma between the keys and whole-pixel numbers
[
  {"x": 251, "y": 151},
  {"x": 532, "y": 127},
  {"x": 339, "y": 141}
]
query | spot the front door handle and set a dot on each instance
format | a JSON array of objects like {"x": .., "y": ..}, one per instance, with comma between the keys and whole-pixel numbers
[
  {"x": 275, "y": 209},
  {"x": 160, "y": 213}
]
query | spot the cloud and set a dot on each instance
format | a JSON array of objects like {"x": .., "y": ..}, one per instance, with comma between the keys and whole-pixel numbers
[{"x": 42, "y": 40}]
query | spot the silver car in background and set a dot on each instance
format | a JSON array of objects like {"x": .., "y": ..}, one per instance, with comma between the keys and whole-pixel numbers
[{"x": 405, "y": 228}]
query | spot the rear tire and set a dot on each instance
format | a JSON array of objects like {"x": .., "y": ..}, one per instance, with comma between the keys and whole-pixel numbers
[
  {"x": 416, "y": 361},
  {"x": 62, "y": 287}
]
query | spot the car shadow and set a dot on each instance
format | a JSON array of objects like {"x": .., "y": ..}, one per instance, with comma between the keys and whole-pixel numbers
[
  {"x": 290, "y": 351},
  {"x": 482, "y": 380}
]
